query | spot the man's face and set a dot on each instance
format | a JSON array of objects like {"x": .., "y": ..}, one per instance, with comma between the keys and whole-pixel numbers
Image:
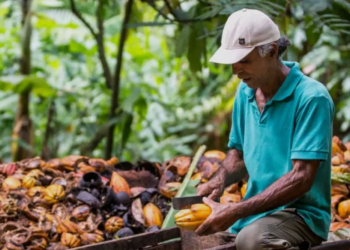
[{"x": 253, "y": 69}]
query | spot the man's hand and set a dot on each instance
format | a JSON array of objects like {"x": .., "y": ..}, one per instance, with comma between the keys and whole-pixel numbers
[
  {"x": 214, "y": 188},
  {"x": 231, "y": 170},
  {"x": 222, "y": 217}
]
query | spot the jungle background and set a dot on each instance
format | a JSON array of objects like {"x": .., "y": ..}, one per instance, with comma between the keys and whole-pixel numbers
[{"x": 132, "y": 78}]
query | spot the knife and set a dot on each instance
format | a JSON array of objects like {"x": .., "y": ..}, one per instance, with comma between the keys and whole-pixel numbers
[{"x": 186, "y": 202}]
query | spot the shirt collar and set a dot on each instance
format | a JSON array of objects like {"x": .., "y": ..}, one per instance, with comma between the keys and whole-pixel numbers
[{"x": 288, "y": 86}]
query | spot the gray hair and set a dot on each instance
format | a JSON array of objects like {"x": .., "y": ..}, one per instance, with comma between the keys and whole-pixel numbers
[{"x": 282, "y": 45}]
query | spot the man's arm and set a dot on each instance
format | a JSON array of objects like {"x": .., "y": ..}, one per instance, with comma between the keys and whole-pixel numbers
[
  {"x": 283, "y": 191},
  {"x": 231, "y": 170},
  {"x": 233, "y": 167}
]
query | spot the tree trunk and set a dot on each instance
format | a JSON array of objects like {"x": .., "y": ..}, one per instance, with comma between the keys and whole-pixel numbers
[
  {"x": 23, "y": 125},
  {"x": 45, "y": 151},
  {"x": 116, "y": 80}
]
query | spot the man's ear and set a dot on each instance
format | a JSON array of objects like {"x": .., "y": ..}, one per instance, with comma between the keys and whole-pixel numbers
[{"x": 274, "y": 51}]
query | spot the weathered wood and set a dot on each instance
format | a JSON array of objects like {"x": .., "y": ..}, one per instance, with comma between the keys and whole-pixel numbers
[
  {"x": 338, "y": 245},
  {"x": 136, "y": 241},
  {"x": 191, "y": 241},
  {"x": 173, "y": 245},
  {"x": 230, "y": 246}
]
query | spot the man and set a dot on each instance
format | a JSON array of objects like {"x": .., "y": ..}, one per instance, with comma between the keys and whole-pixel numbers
[{"x": 281, "y": 136}]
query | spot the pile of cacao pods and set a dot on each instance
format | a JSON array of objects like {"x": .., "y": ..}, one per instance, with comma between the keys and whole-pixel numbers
[
  {"x": 76, "y": 201},
  {"x": 340, "y": 185}
]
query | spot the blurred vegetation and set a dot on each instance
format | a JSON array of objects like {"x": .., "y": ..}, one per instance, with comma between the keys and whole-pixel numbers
[{"x": 167, "y": 99}]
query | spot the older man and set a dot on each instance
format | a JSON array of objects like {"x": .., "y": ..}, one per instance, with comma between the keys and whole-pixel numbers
[{"x": 281, "y": 136}]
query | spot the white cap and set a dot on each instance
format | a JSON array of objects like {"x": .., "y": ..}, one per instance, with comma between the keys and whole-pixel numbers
[{"x": 244, "y": 30}]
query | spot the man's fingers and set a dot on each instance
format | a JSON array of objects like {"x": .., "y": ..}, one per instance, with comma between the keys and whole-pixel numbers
[
  {"x": 214, "y": 194},
  {"x": 202, "y": 228},
  {"x": 209, "y": 202},
  {"x": 202, "y": 190}
]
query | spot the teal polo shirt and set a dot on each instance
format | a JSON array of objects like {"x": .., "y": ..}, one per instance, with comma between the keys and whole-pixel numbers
[{"x": 295, "y": 124}]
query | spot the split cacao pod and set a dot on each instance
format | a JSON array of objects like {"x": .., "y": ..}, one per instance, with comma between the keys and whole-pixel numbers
[
  {"x": 152, "y": 215},
  {"x": 118, "y": 184}
]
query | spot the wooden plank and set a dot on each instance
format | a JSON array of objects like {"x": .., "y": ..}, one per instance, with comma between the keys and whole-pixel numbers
[
  {"x": 338, "y": 245},
  {"x": 231, "y": 246},
  {"x": 135, "y": 241},
  {"x": 173, "y": 245},
  {"x": 192, "y": 241}
]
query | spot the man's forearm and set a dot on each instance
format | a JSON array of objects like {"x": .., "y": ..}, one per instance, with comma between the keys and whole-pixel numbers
[
  {"x": 283, "y": 191},
  {"x": 232, "y": 169}
]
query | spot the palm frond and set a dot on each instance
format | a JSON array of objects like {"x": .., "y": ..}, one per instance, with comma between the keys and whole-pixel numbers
[{"x": 332, "y": 21}]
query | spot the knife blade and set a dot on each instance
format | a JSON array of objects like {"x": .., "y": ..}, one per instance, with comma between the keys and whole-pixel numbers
[{"x": 186, "y": 202}]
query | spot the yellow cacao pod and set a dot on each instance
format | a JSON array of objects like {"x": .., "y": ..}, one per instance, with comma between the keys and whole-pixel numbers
[
  {"x": 243, "y": 190},
  {"x": 191, "y": 219},
  {"x": 54, "y": 193},
  {"x": 153, "y": 216},
  {"x": 344, "y": 209},
  {"x": 70, "y": 240},
  {"x": 114, "y": 224},
  {"x": 28, "y": 181},
  {"x": 11, "y": 183}
]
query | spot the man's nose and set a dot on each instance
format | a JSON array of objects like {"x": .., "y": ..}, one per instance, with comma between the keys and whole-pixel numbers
[{"x": 235, "y": 68}]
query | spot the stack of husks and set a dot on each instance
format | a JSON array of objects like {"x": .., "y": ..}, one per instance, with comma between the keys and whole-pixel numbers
[
  {"x": 76, "y": 200},
  {"x": 340, "y": 184}
]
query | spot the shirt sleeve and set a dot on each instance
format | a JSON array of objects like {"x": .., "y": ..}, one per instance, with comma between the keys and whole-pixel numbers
[
  {"x": 237, "y": 129},
  {"x": 313, "y": 129}
]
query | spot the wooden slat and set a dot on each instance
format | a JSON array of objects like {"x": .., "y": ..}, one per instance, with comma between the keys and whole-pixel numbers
[
  {"x": 173, "y": 245},
  {"x": 230, "y": 246},
  {"x": 338, "y": 245},
  {"x": 136, "y": 241}
]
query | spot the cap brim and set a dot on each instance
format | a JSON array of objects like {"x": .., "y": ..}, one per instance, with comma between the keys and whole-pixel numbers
[{"x": 230, "y": 56}]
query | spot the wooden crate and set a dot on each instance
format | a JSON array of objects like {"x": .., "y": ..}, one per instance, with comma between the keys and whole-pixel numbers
[
  {"x": 176, "y": 239},
  {"x": 167, "y": 239}
]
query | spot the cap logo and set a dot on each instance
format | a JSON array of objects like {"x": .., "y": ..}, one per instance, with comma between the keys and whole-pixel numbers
[{"x": 241, "y": 41}]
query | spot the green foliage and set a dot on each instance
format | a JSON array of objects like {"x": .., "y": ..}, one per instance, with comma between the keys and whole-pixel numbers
[{"x": 171, "y": 98}]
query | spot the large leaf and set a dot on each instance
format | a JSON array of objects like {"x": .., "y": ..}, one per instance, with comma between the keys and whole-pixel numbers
[
  {"x": 311, "y": 31},
  {"x": 187, "y": 188},
  {"x": 21, "y": 84},
  {"x": 196, "y": 47},
  {"x": 182, "y": 41}
]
